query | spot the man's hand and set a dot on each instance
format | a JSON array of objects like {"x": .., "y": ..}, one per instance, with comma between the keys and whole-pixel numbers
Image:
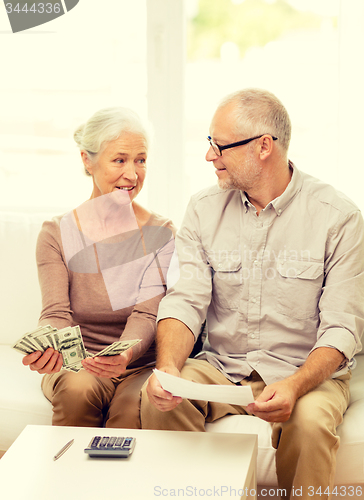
[
  {"x": 175, "y": 342},
  {"x": 50, "y": 361},
  {"x": 161, "y": 399},
  {"x": 108, "y": 366},
  {"x": 275, "y": 403}
]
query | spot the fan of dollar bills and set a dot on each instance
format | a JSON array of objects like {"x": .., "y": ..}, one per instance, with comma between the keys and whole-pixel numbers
[{"x": 69, "y": 343}]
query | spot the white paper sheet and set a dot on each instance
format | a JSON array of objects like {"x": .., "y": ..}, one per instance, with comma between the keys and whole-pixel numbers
[{"x": 231, "y": 394}]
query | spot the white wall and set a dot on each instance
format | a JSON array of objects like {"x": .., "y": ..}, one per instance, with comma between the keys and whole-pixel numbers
[{"x": 350, "y": 172}]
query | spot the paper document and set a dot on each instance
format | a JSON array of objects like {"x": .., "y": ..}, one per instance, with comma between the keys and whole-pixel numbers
[{"x": 231, "y": 394}]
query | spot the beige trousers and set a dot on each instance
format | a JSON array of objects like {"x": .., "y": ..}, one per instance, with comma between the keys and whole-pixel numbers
[
  {"x": 83, "y": 400},
  {"x": 306, "y": 444}
]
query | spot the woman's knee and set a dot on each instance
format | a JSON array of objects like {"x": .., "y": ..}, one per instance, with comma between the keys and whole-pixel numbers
[
  {"x": 79, "y": 399},
  {"x": 82, "y": 388}
]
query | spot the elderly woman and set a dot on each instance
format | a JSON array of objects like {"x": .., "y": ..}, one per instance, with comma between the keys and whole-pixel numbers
[{"x": 102, "y": 266}]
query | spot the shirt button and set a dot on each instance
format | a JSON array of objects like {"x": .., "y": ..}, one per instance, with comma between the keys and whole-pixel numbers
[
  {"x": 252, "y": 336},
  {"x": 254, "y": 301},
  {"x": 279, "y": 211}
]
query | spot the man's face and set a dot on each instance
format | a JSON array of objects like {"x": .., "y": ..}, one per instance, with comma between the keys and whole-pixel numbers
[{"x": 236, "y": 168}]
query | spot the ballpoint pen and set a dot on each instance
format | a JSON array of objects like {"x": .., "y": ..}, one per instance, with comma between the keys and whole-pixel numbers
[{"x": 63, "y": 450}]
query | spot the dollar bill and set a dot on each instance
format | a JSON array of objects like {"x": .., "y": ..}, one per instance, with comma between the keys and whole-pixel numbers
[
  {"x": 28, "y": 343},
  {"x": 23, "y": 348},
  {"x": 41, "y": 341},
  {"x": 117, "y": 348},
  {"x": 69, "y": 343}
]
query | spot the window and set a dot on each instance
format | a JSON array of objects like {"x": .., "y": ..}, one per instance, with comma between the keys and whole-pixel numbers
[
  {"x": 305, "y": 52},
  {"x": 53, "y": 78}
]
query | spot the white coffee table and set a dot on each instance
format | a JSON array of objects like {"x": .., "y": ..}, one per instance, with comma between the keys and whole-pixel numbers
[{"x": 165, "y": 464}]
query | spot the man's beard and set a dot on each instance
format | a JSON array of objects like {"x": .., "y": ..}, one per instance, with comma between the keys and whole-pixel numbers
[
  {"x": 226, "y": 184},
  {"x": 242, "y": 179}
]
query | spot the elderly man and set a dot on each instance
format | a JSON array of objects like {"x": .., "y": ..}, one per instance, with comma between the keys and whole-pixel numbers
[{"x": 274, "y": 260}]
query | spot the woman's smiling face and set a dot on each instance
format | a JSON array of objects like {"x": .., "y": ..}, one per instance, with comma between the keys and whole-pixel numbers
[{"x": 120, "y": 165}]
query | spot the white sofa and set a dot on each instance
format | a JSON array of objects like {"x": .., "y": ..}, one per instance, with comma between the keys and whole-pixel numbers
[{"x": 21, "y": 398}]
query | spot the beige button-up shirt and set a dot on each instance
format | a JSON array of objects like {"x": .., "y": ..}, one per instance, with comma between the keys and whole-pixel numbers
[{"x": 273, "y": 287}]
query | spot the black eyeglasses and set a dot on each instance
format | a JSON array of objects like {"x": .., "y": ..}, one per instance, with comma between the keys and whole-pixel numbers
[{"x": 219, "y": 149}]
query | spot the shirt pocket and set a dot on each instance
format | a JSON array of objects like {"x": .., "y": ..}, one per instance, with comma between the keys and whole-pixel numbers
[
  {"x": 226, "y": 279},
  {"x": 299, "y": 288}
]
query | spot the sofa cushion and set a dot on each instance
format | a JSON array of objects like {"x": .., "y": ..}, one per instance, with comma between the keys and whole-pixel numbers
[
  {"x": 21, "y": 300},
  {"x": 22, "y": 401},
  {"x": 350, "y": 458}
]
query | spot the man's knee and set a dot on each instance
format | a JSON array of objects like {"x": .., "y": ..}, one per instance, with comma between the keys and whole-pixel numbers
[
  {"x": 310, "y": 425},
  {"x": 186, "y": 416},
  {"x": 202, "y": 372},
  {"x": 147, "y": 409}
]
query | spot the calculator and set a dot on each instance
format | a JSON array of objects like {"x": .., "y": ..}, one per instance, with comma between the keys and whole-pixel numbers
[{"x": 110, "y": 447}]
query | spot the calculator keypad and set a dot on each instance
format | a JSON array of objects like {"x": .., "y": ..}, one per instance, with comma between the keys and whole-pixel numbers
[{"x": 113, "y": 446}]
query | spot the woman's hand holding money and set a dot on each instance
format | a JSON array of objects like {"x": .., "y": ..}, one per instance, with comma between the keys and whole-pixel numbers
[
  {"x": 108, "y": 366},
  {"x": 50, "y": 361}
]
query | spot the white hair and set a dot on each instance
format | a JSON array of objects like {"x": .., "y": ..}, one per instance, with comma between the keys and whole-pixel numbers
[{"x": 260, "y": 112}]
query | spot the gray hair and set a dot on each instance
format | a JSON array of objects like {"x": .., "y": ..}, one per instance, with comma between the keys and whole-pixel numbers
[
  {"x": 107, "y": 125},
  {"x": 260, "y": 112}
]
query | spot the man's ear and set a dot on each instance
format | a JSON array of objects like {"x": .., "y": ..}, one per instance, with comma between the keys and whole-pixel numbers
[
  {"x": 86, "y": 162},
  {"x": 266, "y": 146}
]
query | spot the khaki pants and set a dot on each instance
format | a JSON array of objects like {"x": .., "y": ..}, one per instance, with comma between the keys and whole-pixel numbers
[
  {"x": 83, "y": 400},
  {"x": 306, "y": 444}
]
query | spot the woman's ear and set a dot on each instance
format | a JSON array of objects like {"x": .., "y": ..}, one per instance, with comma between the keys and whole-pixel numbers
[{"x": 86, "y": 162}]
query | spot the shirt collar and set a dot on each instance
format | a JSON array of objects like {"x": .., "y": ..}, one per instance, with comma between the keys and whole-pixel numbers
[
  {"x": 294, "y": 187},
  {"x": 280, "y": 203},
  {"x": 245, "y": 200}
]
